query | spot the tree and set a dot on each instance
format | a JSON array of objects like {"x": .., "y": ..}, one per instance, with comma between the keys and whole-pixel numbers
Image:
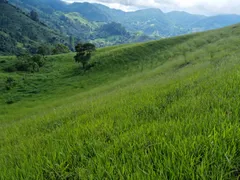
[
  {"x": 34, "y": 16},
  {"x": 84, "y": 52},
  {"x": 43, "y": 50}
]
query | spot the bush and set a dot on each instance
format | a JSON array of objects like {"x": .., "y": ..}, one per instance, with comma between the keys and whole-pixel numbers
[
  {"x": 10, "y": 69},
  {"x": 29, "y": 63},
  {"x": 38, "y": 59},
  {"x": 60, "y": 48},
  {"x": 12, "y": 99},
  {"x": 9, "y": 83}
]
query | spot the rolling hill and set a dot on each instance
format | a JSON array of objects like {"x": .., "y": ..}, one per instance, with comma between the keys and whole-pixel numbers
[
  {"x": 79, "y": 21},
  {"x": 166, "y": 109},
  {"x": 151, "y": 22},
  {"x": 18, "y": 32}
]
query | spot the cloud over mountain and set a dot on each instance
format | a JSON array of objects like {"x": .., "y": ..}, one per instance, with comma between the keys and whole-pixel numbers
[{"x": 193, "y": 6}]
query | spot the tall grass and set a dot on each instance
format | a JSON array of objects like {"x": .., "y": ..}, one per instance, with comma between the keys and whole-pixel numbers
[{"x": 161, "y": 110}]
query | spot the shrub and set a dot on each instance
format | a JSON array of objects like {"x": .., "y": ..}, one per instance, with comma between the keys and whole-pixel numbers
[
  {"x": 60, "y": 48},
  {"x": 12, "y": 99},
  {"x": 9, "y": 83},
  {"x": 29, "y": 63},
  {"x": 38, "y": 59},
  {"x": 10, "y": 69}
]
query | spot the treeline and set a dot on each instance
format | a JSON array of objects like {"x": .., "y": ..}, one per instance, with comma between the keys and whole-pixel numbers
[{"x": 33, "y": 62}]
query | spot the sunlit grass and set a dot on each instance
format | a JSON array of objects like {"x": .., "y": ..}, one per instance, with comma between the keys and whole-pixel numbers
[{"x": 157, "y": 110}]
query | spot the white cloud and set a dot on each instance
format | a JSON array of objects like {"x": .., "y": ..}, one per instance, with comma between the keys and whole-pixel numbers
[{"x": 192, "y": 6}]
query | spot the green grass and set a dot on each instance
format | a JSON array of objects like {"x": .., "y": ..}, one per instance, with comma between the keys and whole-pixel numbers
[{"x": 165, "y": 109}]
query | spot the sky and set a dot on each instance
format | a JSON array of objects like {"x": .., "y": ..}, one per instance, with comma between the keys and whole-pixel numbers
[{"x": 205, "y": 7}]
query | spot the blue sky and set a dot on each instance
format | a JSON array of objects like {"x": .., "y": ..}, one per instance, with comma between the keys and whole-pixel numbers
[{"x": 207, "y": 7}]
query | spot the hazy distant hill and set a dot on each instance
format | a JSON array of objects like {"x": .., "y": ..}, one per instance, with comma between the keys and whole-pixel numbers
[
  {"x": 152, "y": 21},
  {"x": 215, "y": 22},
  {"x": 184, "y": 19},
  {"x": 149, "y": 21},
  {"x": 89, "y": 11}
]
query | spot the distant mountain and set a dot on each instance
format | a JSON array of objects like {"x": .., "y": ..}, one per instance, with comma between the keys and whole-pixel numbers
[
  {"x": 79, "y": 21},
  {"x": 19, "y": 32},
  {"x": 149, "y": 21},
  {"x": 184, "y": 19},
  {"x": 86, "y": 21},
  {"x": 215, "y": 22},
  {"x": 89, "y": 11},
  {"x": 155, "y": 22}
]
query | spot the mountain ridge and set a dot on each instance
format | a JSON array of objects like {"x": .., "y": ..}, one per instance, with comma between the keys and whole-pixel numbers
[
  {"x": 142, "y": 25},
  {"x": 18, "y": 32}
]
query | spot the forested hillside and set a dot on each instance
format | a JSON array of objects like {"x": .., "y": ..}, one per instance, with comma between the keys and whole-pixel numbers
[
  {"x": 19, "y": 32},
  {"x": 79, "y": 21},
  {"x": 85, "y": 21}
]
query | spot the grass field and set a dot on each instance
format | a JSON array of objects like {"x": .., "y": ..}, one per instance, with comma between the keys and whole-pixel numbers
[{"x": 165, "y": 109}]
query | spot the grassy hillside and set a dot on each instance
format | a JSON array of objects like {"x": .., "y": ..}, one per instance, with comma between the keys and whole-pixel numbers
[
  {"x": 18, "y": 32},
  {"x": 166, "y": 109}
]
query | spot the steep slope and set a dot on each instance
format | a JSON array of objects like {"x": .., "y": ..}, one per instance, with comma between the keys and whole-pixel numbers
[
  {"x": 79, "y": 21},
  {"x": 165, "y": 109},
  {"x": 19, "y": 32},
  {"x": 89, "y": 11},
  {"x": 55, "y": 14}
]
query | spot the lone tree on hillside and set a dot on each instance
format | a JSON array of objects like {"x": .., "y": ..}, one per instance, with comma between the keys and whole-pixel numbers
[{"x": 84, "y": 52}]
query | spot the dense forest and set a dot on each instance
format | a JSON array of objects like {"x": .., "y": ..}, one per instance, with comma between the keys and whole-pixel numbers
[{"x": 21, "y": 32}]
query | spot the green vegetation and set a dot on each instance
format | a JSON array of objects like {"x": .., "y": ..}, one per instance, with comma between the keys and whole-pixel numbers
[
  {"x": 166, "y": 109},
  {"x": 60, "y": 49},
  {"x": 103, "y": 26},
  {"x": 84, "y": 53},
  {"x": 19, "y": 33}
]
